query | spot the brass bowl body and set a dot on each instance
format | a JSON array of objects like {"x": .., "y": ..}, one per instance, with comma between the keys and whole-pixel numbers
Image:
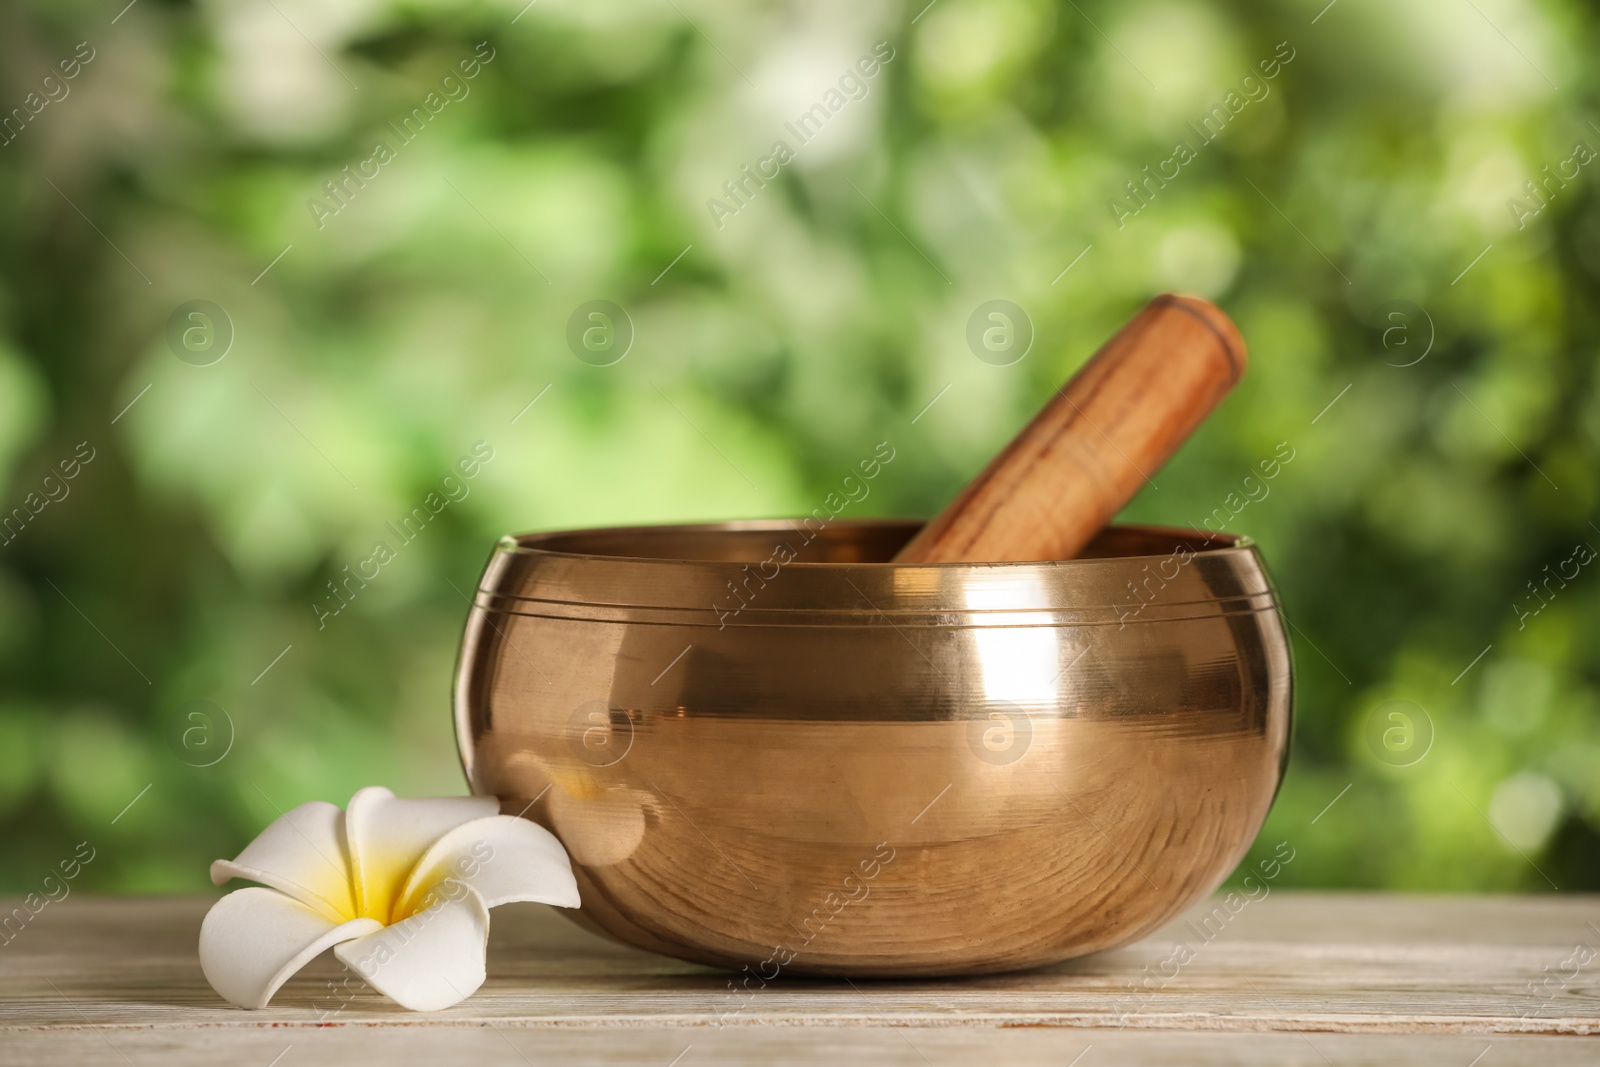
[{"x": 837, "y": 765}]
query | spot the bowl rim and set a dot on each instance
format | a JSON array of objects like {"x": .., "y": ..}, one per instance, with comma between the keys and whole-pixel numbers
[{"x": 1215, "y": 545}]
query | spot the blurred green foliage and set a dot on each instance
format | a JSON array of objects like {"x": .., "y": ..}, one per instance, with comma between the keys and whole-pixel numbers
[{"x": 821, "y": 316}]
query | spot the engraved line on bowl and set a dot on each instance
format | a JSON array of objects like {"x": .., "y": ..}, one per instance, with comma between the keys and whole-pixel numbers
[
  {"x": 1266, "y": 597},
  {"x": 604, "y": 613},
  {"x": 505, "y": 636},
  {"x": 897, "y": 629}
]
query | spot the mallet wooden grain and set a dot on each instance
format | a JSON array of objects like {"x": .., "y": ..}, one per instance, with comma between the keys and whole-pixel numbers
[{"x": 1098, "y": 441}]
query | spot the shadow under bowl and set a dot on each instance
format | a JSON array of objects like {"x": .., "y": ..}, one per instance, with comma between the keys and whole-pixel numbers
[{"x": 764, "y": 745}]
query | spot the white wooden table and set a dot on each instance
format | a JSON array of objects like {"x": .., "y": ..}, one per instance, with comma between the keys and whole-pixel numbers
[{"x": 1296, "y": 978}]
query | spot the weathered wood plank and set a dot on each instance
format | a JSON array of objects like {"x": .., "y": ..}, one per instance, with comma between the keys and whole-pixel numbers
[
  {"x": 1296, "y": 977},
  {"x": 507, "y": 1046}
]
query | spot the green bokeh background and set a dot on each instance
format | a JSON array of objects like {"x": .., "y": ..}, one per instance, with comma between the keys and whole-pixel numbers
[{"x": 1333, "y": 218}]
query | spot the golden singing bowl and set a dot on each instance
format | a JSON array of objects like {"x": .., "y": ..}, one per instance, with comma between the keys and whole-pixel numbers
[{"x": 763, "y": 746}]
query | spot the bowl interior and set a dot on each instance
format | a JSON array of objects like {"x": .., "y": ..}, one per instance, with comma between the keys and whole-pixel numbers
[{"x": 855, "y": 542}]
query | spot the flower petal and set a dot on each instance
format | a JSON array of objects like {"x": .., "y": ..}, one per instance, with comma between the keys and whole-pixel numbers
[
  {"x": 503, "y": 857},
  {"x": 388, "y": 835},
  {"x": 302, "y": 854},
  {"x": 253, "y": 940},
  {"x": 433, "y": 959}
]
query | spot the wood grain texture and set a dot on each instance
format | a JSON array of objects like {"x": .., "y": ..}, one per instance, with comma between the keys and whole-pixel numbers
[
  {"x": 1097, "y": 442},
  {"x": 1293, "y": 978}
]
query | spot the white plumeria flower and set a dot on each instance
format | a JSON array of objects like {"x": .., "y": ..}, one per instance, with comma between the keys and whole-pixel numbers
[{"x": 402, "y": 887}]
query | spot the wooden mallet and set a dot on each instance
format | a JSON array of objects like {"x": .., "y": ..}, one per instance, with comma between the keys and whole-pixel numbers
[{"x": 1099, "y": 439}]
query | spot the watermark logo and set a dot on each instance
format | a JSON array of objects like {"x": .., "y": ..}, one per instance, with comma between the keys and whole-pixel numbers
[
  {"x": 999, "y": 332},
  {"x": 599, "y": 332},
  {"x": 1540, "y": 596},
  {"x": 200, "y": 333},
  {"x": 1550, "y": 185},
  {"x": 1199, "y": 930},
  {"x": 1399, "y": 732},
  {"x": 1143, "y": 188},
  {"x": 852, "y": 489},
  {"x": 199, "y": 733},
  {"x": 351, "y": 579},
  {"x": 53, "y": 889},
  {"x": 1408, "y": 333},
  {"x": 51, "y": 89},
  {"x": 1002, "y": 736},
  {"x": 52, "y": 489},
  {"x": 853, "y": 84},
  {"x": 342, "y": 189},
  {"x": 599, "y": 734}
]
